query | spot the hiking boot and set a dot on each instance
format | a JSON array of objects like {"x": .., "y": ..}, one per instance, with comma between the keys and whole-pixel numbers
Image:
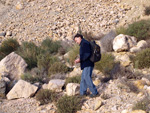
[{"x": 94, "y": 95}]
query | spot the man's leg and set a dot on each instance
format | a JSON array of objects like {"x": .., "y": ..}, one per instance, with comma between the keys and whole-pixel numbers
[
  {"x": 88, "y": 80},
  {"x": 83, "y": 85}
]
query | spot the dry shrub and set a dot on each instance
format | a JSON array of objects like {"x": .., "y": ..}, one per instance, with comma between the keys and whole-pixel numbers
[
  {"x": 73, "y": 54},
  {"x": 8, "y": 46},
  {"x": 141, "y": 60},
  {"x": 142, "y": 104},
  {"x": 75, "y": 79},
  {"x": 46, "y": 96},
  {"x": 69, "y": 104},
  {"x": 147, "y": 10}
]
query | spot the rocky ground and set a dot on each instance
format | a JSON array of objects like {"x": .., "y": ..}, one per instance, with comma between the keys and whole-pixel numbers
[
  {"x": 29, "y": 105},
  {"x": 34, "y": 20},
  {"x": 115, "y": 96}
]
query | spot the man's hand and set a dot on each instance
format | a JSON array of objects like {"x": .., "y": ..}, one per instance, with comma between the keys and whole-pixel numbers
[{"x": 77, "y": 61}]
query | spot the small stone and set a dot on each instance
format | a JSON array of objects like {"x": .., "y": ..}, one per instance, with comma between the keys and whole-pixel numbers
[
  {"x": 19, "y": 6},
  {"x": 125, "y": 111},
  {"x": 2, "y": 34},
  {"x": 8, "y": 33},
  {"x": 96, "y": 82},
  {"x": 98, "y": 105}
]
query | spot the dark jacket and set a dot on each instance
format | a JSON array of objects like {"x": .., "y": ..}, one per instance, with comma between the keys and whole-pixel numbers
[{"x": 85, "y": 53}]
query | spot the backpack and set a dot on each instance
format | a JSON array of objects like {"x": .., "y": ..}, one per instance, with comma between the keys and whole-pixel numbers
[{"x": 96, "y": 52}]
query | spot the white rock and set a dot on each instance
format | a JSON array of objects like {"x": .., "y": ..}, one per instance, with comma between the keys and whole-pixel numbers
[
  {"x": 6, "y": 79},
  {"x": 56, "y": 85},
  {"x": 19, "y": 6},
  {"x": 135, "y": 49},
  {"x": 123, "y": 43},
  {"x": 14, "y": 65},
  {"x": 142, "y": 44},
  {"x": 22, "y": 89},
  {"x": 72, "y": 89},
  {"x": 125, "y": 111},
  {"x": 8, "y": 33},
  {"x": 76, "y": 71},
  {"x": 45, "y": 86},
  {"x": 98, "y": 105}
]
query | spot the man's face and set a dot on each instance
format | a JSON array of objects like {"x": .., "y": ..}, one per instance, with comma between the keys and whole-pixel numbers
[{"x": 78, "y": 40}]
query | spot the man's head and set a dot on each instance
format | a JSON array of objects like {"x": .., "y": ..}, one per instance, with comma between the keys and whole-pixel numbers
[{"x": 78, "y": 38}]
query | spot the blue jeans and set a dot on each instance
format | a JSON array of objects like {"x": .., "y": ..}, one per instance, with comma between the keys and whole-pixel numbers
[{"x": 86, "y": 81}]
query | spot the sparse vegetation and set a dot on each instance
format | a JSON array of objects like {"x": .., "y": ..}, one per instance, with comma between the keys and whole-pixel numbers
[
  {"x": 73, "y": 54},
  {"x": 45, "y": 61},
  {"x": 29, "y": 52},
  {"x": 121, "y": 30},
  {"x": 142, "y": 59},
  {"x": 139, "y": 29},
  {"x": 147, "y": 10},
  {"x": 8, "y": 46},
  {"x": 75, "y": 79},
  {"x": 31, "y": 78},
  {"x": 142, "y": 104},
  {"x": 58, "y": 67},
  {"x": 69, "y": 104},
  {"x": 46, "y": 96},
  {"x": 106, "y": 64},
  {"x": 50, "y": 46}
]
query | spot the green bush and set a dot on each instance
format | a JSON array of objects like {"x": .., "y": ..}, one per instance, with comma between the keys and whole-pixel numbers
[
  {"x": 30, "y": 78},
  {"x": 142, "y": 59},
  {"x": 29, "y": 52},
  {"x": 8, "y": 46},
  {"x": 74, "y": 52},
  {"x": 68, "y": 104},
  {"x": 50, "y": 46},
  {"x": 46, "y": 96},
  {"x": 44, "y": 62},
  {"x": 139, "y": 29},
  {"x": 121, "y": 30},
  {"x": 58, "y": 67},
  {"x": 75, "y": 79},
  {"x": 147, "y": 10},
  {"x": 106, "y": 64}
]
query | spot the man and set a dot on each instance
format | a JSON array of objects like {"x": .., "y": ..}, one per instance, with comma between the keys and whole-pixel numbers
[{"x": 86, "y": 65}]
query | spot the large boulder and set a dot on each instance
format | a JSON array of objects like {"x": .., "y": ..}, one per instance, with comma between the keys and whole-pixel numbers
[
  {"x": 22, "y": 89},
  {"x": 72, "y": 89},
  {"x": 55, "y": 85},
  {"x": 14, "y": 65},
  {"x": 124, "y": 43},
  {"x": 2, "y": 88},
  {"x": 142, "y": 44},
  {"x": 106, "y": 43}
]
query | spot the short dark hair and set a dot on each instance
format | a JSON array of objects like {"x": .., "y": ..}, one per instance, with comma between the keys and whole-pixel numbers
[{"x": 78, "y": 35}]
